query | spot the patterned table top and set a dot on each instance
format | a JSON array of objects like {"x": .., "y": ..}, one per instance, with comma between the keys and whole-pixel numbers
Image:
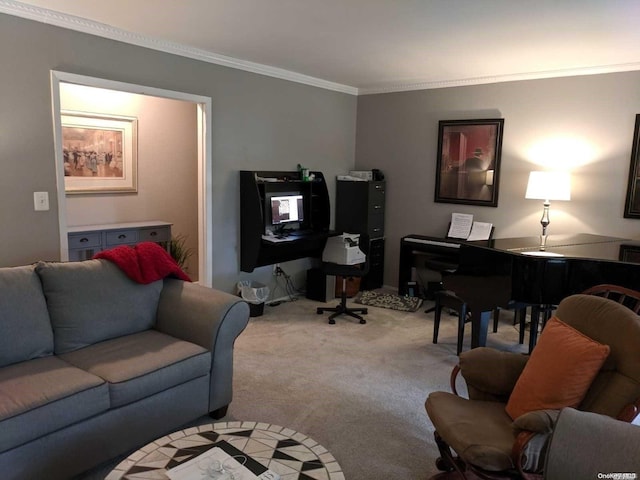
[{"x": 291, "y": 454}]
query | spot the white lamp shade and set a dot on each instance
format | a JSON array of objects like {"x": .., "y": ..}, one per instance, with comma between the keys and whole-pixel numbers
[{"x": 549, "y": 186}]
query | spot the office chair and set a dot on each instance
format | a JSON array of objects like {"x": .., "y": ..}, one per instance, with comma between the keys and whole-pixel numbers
[{"x": 347, "y": 272}]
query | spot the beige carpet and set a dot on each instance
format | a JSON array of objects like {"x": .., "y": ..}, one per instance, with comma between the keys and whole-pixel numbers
[{"x": 358, "y": 390}]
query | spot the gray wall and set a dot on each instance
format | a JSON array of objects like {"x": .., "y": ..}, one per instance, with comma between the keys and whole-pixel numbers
[
  {"x": 259, "y": 123},
  {"x": 584, "y": 124},
  {"x": 265, "y": 123}
]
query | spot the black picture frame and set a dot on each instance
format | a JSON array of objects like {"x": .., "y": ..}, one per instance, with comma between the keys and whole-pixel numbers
[
  {"x": 632, "y": 203},
  {"x": 468, "y": 161}
]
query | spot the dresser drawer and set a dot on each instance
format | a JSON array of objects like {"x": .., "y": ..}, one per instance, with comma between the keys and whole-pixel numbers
[
  {"x": 159, "y": 234},
  {"x": 121, "y": 237},
  {"x": 85, "y": 240}
]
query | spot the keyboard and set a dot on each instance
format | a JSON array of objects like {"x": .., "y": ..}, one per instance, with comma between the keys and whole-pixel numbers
[{"x": 298, "y": 233}]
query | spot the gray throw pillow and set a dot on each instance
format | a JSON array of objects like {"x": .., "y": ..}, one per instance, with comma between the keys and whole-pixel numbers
[
  {"x": 25, "y": 329},
  {"x": 94, "y": 300}
]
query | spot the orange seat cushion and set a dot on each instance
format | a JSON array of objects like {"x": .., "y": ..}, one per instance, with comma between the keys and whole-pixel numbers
[{"x": 559, "y": 372}]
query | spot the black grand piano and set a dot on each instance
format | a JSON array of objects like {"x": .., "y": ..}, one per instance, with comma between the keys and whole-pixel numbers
[{"x": 493, "y": 273}]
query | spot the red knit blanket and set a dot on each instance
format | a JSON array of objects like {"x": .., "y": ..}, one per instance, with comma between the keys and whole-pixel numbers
[{"x": 144, "y": 263}]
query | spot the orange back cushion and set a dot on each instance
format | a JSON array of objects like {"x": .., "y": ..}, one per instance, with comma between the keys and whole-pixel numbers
[{"x": 559, "y": 372}]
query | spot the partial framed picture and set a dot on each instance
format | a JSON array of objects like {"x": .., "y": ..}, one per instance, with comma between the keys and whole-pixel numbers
[
  {"x": 468, "y": 161},
  {"x": 100, "y": 153},
  {"x": 632, "y": 204}
]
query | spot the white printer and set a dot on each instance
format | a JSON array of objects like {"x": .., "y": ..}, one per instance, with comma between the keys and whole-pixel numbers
[{"x": 343, "y": 249}]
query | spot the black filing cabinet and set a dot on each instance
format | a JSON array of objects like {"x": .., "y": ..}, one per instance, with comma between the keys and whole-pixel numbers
[{"x": 360, "y": 209}]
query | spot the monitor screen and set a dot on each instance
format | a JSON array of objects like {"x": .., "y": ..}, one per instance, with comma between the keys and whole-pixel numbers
[{"x": 286, "y": 208}]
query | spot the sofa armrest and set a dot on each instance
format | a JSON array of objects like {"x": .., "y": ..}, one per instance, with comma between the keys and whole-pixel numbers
[
  {"x": 491, "y": 374},
  {"x": 587, "y": 445},
  {"x": 207, "y": 317}
]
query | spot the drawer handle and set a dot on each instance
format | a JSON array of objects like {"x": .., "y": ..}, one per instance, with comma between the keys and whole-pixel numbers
[
  {"x": 84, "y": 240},
  {"x": 378, "y": 187},
  {"x": 153, "y": 234},
  {"x": 377, "y": 207},
  {"x": 377, "y": 229},
  {"x": 121, "y": 236}
]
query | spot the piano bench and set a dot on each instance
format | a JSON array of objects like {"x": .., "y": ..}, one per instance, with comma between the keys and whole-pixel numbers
[{"x": 448, "y": 299}]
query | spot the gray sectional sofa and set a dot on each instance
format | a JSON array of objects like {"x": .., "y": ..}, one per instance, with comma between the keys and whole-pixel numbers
[{"x": 93, "y": 364}]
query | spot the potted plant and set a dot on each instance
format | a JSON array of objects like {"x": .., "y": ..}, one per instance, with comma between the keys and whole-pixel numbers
[{"x": 179, "y": 250}]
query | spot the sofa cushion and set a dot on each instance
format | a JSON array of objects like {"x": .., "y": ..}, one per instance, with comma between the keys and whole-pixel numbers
[
  {"x": 25, "y": 329},
  {"x": 142, "y": 364},
  {"x": 43, "y": 395},
  {"x": 94, "y": 300}
]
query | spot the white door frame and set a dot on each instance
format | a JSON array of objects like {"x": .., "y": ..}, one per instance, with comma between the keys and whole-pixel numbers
[{"x": 205, "y": 206}]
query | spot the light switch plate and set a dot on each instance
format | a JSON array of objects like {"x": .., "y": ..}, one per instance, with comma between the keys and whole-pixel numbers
[{"x": 41, "y": 201}]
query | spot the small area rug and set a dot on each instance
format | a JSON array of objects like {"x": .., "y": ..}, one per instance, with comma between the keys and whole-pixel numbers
[{"x": 389, "y": 300}]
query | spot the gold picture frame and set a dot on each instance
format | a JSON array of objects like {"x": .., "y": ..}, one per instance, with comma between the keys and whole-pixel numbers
[{"x": 100, "y": 153}]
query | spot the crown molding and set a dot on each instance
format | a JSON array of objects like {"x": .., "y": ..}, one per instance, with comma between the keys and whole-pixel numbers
[
  {"x": 43, "y": 15},
  {"x": 79, "y": 24},
  {"x": 572, "y": 72}
]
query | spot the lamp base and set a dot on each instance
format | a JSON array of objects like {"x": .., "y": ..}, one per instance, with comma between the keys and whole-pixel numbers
[
  {"x": 544, "y": 221},
  {"x": 543, "y": 242}
]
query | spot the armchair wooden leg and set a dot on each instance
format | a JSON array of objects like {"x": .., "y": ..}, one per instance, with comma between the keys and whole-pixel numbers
[{"x": 447, "y": 462}]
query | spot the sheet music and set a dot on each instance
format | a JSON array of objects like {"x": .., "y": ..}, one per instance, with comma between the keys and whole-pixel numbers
[
  {"x": 480, "y": 231},
  {"x": 460, "y": 225}
]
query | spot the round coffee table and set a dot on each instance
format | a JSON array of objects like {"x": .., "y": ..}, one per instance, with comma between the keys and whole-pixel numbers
[{"x": 290, "y": 454}]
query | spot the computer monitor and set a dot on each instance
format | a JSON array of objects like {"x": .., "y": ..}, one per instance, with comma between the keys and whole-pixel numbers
[{"x": 286, "y": 208}]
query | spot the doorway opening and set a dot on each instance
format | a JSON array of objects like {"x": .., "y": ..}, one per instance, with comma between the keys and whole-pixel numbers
[{"x": 156, "y": 182}]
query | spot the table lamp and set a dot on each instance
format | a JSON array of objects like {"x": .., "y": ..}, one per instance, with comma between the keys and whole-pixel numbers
[{"x": 548, "y": 186}]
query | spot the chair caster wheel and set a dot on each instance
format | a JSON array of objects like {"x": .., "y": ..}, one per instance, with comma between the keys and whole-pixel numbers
[
  {"x": 319, "y": 311},
  {"x": 363, "y": 321},
  {"x": 443, "y": 465},
  {"x": 332, "y": 322}
]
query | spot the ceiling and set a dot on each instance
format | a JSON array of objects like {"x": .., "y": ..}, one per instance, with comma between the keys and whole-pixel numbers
[{"x": 369, "y": 46}]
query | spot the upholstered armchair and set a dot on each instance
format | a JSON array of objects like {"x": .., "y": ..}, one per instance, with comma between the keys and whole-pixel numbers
[{"x": 587, "y": 357}]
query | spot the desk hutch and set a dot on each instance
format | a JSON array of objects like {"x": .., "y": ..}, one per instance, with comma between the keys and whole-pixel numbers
[{"x": 255, "y": 187}]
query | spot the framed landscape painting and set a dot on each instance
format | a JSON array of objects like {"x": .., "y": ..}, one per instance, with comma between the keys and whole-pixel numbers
[
  {"x": 468, "y": 161},
  {"x": 99, "y": 153}
]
